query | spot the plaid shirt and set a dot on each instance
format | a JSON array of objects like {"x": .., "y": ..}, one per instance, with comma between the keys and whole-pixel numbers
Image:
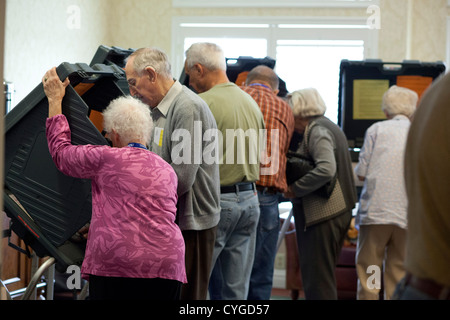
[{"x": 277, "y": 115}]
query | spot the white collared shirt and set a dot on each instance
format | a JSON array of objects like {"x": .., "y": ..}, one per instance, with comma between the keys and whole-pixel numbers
[{"x": 383, "y": 198}]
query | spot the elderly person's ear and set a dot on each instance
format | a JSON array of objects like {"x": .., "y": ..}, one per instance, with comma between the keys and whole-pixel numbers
[
  {"x": 198, "y": 68},
  {"x": 151, "y": 73}
]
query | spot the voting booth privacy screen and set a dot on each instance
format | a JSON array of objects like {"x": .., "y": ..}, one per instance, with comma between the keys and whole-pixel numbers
[
  {"x": 47, "y": 207},
  {"x": 113, "y": 56},
  {"x": 363, "y": 83}
]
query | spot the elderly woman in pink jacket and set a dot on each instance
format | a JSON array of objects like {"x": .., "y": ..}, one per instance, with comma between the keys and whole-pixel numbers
[{"x": 134, "y": 248}]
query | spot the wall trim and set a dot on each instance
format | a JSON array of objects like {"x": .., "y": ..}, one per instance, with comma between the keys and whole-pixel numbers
[{"x": 273, "y": 4}]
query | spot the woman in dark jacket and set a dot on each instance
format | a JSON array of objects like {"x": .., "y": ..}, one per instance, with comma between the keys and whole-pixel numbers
[{"x": 321, "y": 221}]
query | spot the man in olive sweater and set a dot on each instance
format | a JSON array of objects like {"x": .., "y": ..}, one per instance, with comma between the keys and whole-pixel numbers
[{"x": 238, "y": 117}]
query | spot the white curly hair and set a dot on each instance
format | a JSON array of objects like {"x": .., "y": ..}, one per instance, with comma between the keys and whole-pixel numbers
[
  {"x": 399, "y": 100},
  {"x": 130, "y": 118}
]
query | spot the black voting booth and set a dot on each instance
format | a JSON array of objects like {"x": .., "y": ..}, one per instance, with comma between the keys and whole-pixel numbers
[
  {"x": 111, "y": 56},
  {"x": 362, "y": 84},
  {"x": 114, "y": 56},
  {"x": 46, "y": 207}
]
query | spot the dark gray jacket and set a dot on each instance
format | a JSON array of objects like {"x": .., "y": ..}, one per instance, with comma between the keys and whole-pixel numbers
[{"x": 327, "y": 146}]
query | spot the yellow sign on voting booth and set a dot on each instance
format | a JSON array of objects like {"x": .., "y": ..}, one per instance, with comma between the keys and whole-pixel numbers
[{"x": 367, "y": 98}]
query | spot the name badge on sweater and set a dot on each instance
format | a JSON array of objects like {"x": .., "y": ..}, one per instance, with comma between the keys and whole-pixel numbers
[{"x": 158, "y": 136}]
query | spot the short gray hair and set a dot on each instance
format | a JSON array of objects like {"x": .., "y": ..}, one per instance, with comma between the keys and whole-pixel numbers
[
  {"x": 398, "y": 100},
  {"x": 307, "y": 103},
  {"x": 151, "y": 57},
  {"x": 130, "y": 118},
  {"x": 209, "y": 55}
]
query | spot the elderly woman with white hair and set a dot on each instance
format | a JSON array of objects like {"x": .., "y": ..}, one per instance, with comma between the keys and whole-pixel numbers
[
  {"x": 135, "y": 250},
  {"x": 321, "y": 221},
  {"x": 382, "y": 213}
]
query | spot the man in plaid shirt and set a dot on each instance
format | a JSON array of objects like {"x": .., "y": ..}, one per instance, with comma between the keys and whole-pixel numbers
[{"x": 262, "y": 84}]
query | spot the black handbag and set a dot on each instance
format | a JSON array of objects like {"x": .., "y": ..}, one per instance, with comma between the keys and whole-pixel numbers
[{"x": 297, "y": 166}]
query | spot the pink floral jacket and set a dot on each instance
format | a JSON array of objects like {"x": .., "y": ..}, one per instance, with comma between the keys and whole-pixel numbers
[{"x": 134, "y": 194}]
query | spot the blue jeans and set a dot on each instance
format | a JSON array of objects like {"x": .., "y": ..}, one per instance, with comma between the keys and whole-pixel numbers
[
  {"x": 234, "y": 249},
  {"x": 266, "y": 247}
]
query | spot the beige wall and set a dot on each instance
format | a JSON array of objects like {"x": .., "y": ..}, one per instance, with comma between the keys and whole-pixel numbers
[
  {"x": 429, "y": 30},
  {"x": 41, "y": 34},
  {"x": 157, "y": 15},
  {"x": 37, "y": 35},
  {"x": 410, "y": 29},
  {"x": 413, "y": 29}
]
